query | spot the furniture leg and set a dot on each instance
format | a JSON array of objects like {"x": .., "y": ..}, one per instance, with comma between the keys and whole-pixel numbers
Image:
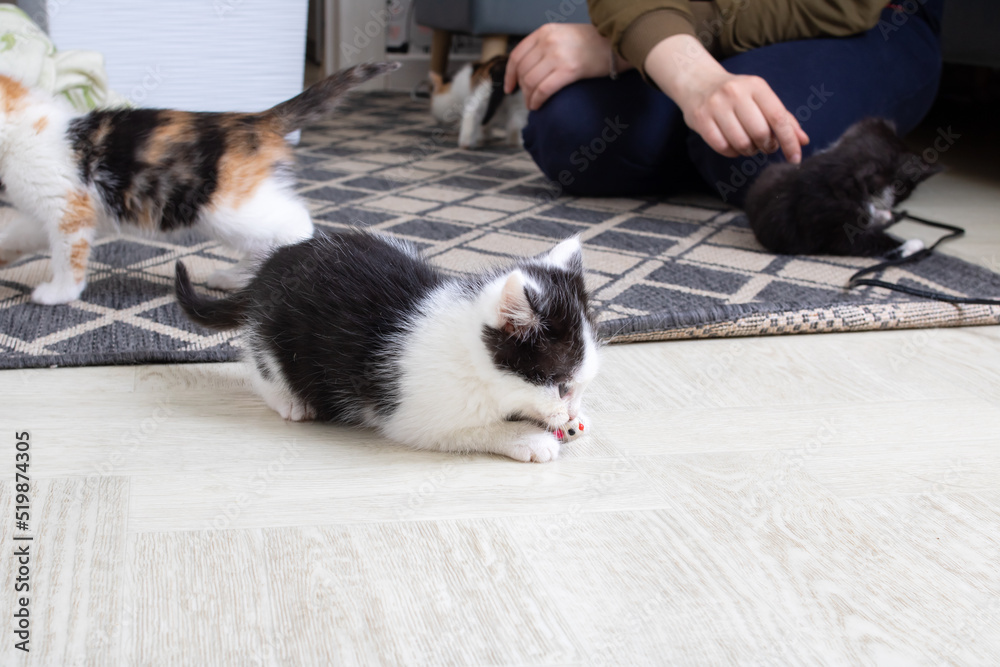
[
  {"x": 494, "y": 45},
  {"x": 440, "y": 46}
]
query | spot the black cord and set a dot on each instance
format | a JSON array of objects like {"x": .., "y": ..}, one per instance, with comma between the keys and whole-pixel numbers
[{"x": 955, "y": 232}]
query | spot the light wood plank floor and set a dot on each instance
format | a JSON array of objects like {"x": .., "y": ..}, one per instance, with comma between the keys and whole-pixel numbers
[{"x": 810, "y": 500}]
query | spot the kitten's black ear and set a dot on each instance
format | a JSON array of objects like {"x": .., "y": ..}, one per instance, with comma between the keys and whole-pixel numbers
[
  {"x": 515, "y": 315},
  {"x": 568, "y": 255}
]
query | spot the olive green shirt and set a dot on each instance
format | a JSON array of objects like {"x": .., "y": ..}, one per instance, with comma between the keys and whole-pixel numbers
[{"x": 726, "y": 27}]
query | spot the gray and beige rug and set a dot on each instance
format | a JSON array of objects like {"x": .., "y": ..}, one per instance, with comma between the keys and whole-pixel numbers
[{"x": 658, "y": 269}]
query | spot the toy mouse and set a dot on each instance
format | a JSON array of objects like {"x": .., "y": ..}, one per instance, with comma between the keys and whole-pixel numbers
[{"x": 569, "y": 431}]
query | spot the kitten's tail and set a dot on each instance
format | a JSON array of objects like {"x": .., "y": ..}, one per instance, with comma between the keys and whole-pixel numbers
[
  {"x": 319, "y": 100},
  {"x": 213, "y": 313}
]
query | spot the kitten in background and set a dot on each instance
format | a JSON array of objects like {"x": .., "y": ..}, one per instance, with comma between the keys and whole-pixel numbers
[
  {"x": 839, "y": 201},
  {"x": 151, "y": 170},
  {"x": 357, "y": 328},
  {"x": 476, "y": 94}
]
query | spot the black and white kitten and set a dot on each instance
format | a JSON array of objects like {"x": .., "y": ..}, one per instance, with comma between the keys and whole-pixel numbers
[
  {"x": 358, "y": 328},
  {"x": 839, "y": 201}
]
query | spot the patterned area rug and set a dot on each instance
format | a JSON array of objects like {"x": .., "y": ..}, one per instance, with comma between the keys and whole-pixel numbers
[{"x": 658, "y": 269}]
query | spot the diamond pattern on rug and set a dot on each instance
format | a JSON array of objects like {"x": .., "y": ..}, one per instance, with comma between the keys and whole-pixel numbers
[
  {"x": 122, "y": 254},
  {"x": 684, "y": 268},
  {"x": 119, "y": 335},
  {"x": 29, "y": 321}
]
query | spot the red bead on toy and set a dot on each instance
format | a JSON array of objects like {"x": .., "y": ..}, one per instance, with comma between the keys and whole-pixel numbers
[{"x": 580, "y": 425}]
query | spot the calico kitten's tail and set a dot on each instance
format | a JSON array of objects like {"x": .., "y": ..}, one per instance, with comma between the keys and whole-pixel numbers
[
  {"x": 319, "y": 100},
  {"x": 213, "y": 313}
]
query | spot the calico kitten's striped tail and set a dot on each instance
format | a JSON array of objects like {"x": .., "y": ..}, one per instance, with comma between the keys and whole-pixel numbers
[
  {"x": 319, "y": 100},
  {"x": 213, "y": 313}
]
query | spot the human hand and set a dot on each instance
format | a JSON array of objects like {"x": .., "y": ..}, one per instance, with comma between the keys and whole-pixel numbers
[
  {"x": 554, "y": 56},
  {"x": 735, "y": 114}
]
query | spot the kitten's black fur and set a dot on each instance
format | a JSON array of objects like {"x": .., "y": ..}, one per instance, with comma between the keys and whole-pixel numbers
[
  {"x": 547, "y": 359},
  {"x": 838, "y": 201},
  {"x": 496, "y": 70},
  {"x": 328, "y": 310}
]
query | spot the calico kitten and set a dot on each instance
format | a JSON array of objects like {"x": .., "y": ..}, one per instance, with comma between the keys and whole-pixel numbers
[
  {"x": 839, "y": 201},
  {"x": 475, "y": 97},
  {"x": 358, "y": 328},
  {"x": 228, "y": 174}
]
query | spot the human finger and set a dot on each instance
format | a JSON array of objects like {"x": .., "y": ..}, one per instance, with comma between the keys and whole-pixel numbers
[
  {"x": 783, "y": 123},
  {"x": 516, "y": 58},
  {"x": 553, "y": 83},
  {"x": 755, "y": 125},
  {"x": 736, "y": 136},
  {"x": 530, "y": 80},
  {"x": 713, "y": 136}
]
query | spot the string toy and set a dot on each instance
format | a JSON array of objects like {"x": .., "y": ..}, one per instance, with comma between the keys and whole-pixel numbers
[{"x": 955, "y": 232}]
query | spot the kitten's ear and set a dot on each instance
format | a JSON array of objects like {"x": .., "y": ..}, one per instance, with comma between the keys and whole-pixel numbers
[
  {"x": 568, "y": 255},
  {"x": 515, "y": 315}
]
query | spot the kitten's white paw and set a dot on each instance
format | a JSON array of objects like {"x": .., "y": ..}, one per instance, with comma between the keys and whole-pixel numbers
[
  {"x": 52, "y": 293},
  {"x": 296, "y": 411},
  {"x": 284, "y": 403},
  {"x": 470, "y": 139},
  {"x": 228, "y": 279},
  {"x": 911, "y": 247},
  {"x": 537, "y": 447}
]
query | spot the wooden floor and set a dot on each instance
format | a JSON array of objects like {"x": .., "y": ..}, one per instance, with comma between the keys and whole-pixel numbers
[{"x": 804, "y": 500}]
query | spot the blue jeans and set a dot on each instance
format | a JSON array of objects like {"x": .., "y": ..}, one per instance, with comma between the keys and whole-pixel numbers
[{"x": 599, "y": 137}]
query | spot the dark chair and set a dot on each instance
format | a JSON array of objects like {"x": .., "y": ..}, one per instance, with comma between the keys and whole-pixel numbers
[{"x": 493, "y": 20}]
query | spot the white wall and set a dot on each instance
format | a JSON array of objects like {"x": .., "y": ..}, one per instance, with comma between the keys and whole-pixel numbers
[{"x": 208, "y": 55}]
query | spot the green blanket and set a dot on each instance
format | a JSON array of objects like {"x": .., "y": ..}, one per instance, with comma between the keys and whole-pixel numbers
[{"x": 27, "y": 54}]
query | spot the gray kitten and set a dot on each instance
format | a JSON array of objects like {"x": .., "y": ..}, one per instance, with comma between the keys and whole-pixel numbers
[{"x": 840, "y": 200}]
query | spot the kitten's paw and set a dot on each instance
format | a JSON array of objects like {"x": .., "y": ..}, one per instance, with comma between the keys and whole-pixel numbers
[
  {"x": 470, "y": 140},
  {"x": 228, "y": 279},
  {"x": 52, "y": 293},
  {"x": 911, "y": 247},
  {"x": 537, "y": 447},
  {"x": 296, "y": 411}
]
